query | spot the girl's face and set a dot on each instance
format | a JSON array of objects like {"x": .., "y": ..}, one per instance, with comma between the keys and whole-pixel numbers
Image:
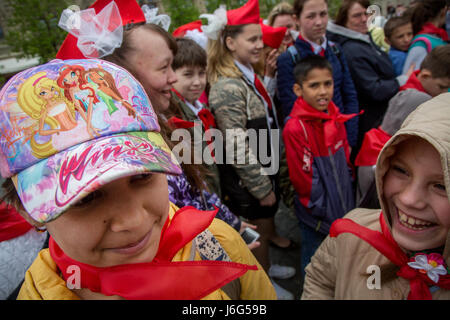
[
  {"x": 288, "y": 21},
  {"x": 313, "y": 20},
  {"x": 71, "y": 78},
  {"x": 416, "y": 197},
  {"x": 117, "y": 224},
  {"x": 247, "y": 46},
  {"x": 47, "y": 93},
  {"x": 152, "y": 61}
]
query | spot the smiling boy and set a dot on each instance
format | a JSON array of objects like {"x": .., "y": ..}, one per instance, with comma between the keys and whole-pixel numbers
[{"x": 317, "y": 153}]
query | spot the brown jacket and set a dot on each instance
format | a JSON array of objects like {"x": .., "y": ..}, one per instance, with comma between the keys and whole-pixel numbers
[{"x": 341, "y": 266}]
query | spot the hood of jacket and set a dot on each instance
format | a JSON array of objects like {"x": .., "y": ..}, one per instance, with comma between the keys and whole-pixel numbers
[
  {"x": 431, "y": 122},
  {"x": 341, "y": 34}
]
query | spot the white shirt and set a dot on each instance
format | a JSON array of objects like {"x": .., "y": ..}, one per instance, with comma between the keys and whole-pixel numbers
[
  {"x": 318, "y": 47},
  {"x": 196, "y": 107}
]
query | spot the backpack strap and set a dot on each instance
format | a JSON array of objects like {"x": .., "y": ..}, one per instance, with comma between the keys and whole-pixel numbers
[
  {"x": 294, "y": 54},
  {"x": 425, "y": 40},
  {"x": 209, "y": 248}
]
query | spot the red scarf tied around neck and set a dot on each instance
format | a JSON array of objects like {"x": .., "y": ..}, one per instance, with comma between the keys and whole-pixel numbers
[
  {"x": 161, "y": 279},
  {"x": 386, "y": 245},
  {"x": 306, "y": 112}
]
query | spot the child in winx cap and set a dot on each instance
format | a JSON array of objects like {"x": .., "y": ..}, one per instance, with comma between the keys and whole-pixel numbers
[
  {"x": 317, "y": 154},
  {"x": 408, "y": 239},
  {"x": 104, "y": 202}
]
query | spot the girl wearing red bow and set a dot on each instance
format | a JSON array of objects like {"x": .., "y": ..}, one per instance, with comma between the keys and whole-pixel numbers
[{"x": 401, "y": 251}]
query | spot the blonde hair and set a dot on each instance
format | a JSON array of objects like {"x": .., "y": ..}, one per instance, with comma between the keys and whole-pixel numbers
[
  {"x": 33, "y": 105},
  {"x": 281, "y": 9},
  {"x": 220, "y": 60}
]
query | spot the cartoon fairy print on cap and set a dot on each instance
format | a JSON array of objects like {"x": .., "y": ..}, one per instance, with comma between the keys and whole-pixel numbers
[{"x": 68, "y": 127}]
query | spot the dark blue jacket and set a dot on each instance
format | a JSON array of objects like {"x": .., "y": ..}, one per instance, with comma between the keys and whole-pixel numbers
[
  {"x": 345, "y": 96},
  {"x": 372, "y": 73}
]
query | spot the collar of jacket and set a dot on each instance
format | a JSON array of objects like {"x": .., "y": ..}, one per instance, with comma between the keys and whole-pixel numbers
[{"x": 342, "y": 31}]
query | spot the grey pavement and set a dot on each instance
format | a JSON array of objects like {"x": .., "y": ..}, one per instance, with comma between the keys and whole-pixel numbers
[{"x": 286, "y": 224}]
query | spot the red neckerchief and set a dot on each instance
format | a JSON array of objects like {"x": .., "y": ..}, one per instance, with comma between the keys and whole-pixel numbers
[
  {"x": 161, "y": 279},
  {"x": 12, "y": 225},
  {"x": 386, "y": 245},
  {"x": 322, "y": 50},
  {"x": 303, "y": 110},
  {"x": 374, "y": 141},
  {"x": 413, "y": 83},
  {"x": 429, "y": 28},
  {"x": 180, "y": 123},
  {"x": 204, "y": 115},
  {"x": 262, "y": 91}
]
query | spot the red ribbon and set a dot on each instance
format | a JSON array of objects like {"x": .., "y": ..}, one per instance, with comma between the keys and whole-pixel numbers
[
  {"x": 305, "y": 111},
  {"x": 386, "y": 245},
  {"x": 161, "y": 279},
  {"x": 413, "y": 83},
  {"x": 12, "y": 225},
  {"x": 374, "y": 141},
  {"x": 263, "y": 92}
]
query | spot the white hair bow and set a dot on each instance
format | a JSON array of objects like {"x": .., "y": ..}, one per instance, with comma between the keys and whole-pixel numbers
[
  {"x": 98, "y": 34},
  {"x": 216, "y": 22},
  {"x": 151, "y": 16}
]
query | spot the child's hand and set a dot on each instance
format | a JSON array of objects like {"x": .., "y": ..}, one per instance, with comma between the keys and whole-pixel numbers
[
  {"x": 411, "y": 70},
  {"x": 271, "y": 63}
]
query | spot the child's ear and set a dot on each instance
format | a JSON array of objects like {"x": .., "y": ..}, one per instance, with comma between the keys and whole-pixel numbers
[
  {"x": 297, "y": 90},
  {"x": 424, "y": 74},
  {"x": 229, "y": 43}
]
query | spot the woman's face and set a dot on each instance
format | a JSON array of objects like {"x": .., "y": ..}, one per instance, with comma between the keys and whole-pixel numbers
[
  {"x": 416, "y": 197},
  {"x": 152, "y": 62},
  {"x": 247, "y": 46},
  {"x": 71, "y": 78},
  {"x": 313, "y": 20},
  {"x": 288, "y": 21},
  {"x": 117, "y": 224},
  {"x": 357, "y": 18}
]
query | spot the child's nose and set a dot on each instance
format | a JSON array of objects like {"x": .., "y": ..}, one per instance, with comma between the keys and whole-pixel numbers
[
  {"x": 412, "y": 196},
  {"x": 127, "y": 215}
]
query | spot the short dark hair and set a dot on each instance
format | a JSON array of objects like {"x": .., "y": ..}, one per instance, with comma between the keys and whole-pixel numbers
[
  {"x": 189, "y": 54},
  {"x": 394, "y": 23},
  {"x": 306, "y": 65},
  {"x": 437, "y": 62}
]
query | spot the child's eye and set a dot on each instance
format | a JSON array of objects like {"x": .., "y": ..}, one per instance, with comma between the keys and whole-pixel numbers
[
  {"x": 399, "y": 170},
  {"x": 88, "y": 200},
  {"x": 440, "y": 186},
  {"x": 141, "y": 178}
]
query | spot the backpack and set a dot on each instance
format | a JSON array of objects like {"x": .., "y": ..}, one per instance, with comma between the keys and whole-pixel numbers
[
  {"x": 209, "y": 248},
  {"x": 295, "y": 55}
]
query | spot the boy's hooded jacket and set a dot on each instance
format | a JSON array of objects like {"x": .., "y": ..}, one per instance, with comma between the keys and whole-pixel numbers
[
  {"x": 340, "y": 267},
  {"x": 317, "y": 154}
]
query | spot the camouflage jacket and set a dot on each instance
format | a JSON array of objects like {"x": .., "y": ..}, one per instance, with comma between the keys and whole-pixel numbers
[
  {"x": 234, "y": 102},
  {"x": 187, "y": 114}
]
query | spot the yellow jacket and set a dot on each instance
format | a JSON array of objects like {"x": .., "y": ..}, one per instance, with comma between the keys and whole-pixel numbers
[{"x": 43, "y": 280}]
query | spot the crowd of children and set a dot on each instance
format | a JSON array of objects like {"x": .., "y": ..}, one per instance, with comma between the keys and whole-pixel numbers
[{"x": 124, "y": 163}]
